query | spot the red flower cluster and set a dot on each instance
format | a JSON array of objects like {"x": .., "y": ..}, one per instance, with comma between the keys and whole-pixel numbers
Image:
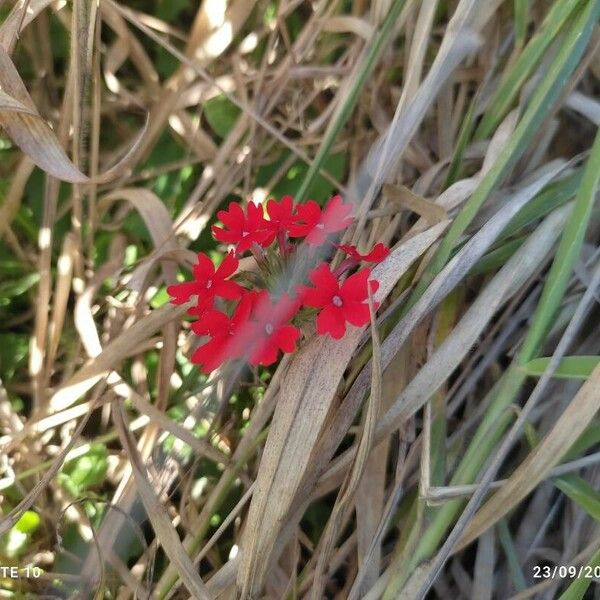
[{"x": 261, "y": 323}]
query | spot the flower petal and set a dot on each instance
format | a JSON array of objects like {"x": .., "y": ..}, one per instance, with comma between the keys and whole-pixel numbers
[
  {"x": 331, "y": 320},
  {"x": 286, "y": 338},
  {"x": 204, "y": 267},
  {"x": 336, "y": 215},
  {"x": 355, "y": 287},
  {"x": 356, "y": 313},
  {"x": 242, "y": 311},
  {"x": 210, "y": 355},
  {"x": 326, "y": 286},
  {"x": 255, "y": 215},
  {"x": 228, "y": 266},
  {"x": 377, "y": 253},
  {"x": 233, "y": 217},
  {"x": 181, "y": 292},
  {"x": 230, "y": 290},
  {"x": 222, "y": 235},
  {"x": 265, "y": 354},
  {"x": 211, "y": 322}
]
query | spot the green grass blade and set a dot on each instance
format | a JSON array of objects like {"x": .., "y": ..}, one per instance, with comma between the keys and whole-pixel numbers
[
  {"x": 578, "y": 588},
  {"x": 521, "y": 21},
  {"x": 581, "y": 492},
  {"x": 497, "y": 416},
  {"x": 511, "y": 83},
  {"x": 540, "y": 106},
  {"x": 372, "y": 54},
  {"x": 570, "y": 367},
  {"x": 566, "y": 255},
  {"x": 508, "y": 546}
]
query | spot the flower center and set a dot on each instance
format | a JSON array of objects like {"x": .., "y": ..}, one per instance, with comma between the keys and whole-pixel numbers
[
  {"x": 320, "y": 225},
  {"x": 209, "y": 284},
  {"x": 245, "y": 234},
  {"x": 337, "y": 301},
  {"x": 269, "y": 328}
]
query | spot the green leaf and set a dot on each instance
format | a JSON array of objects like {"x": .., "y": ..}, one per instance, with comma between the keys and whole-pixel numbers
[
  {"x": 513, "y": 80},
  {"x": 169, "y": 10},
  {"x": 521, "y": 21},
  {"x": 359, "y": 77},
  {"x": 16, "y": 540},
  {"x": 221, "y": 115},
  {"x": 508, "y": 546},
  {"x": 570, "y": 367},
  {"x": 320, "y": 189},
  {"x": 28, "y": 522},
  {"x": 584, "y": 495},
  {"x": 13, "y": 353},
  {"x": 161, "y": 297},
  {"x": 540, "y": 106},
  {"x": 579, "y": 586},
  {"x": 580, "y": 492},
  {"x": 10, "y": 289},
  {"x": 87, "y": 470},
  {"x": 587, "y": 440}
]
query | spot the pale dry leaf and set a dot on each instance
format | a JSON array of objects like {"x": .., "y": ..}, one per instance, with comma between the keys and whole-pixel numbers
[
  {"x": 159, "y": 518},
  {"x": 21, "y": 15},
  {"x": 354, "y": 474},
  {"x": 459, "y": 342},
  {"x": 158, "y": 221},
  {"x": 298, "y": 419},
  {"x": 430, "y": 211},
  {"x": 27, "y": 128},
  {"x": 121, "y": 347},
  {"x": 542, "y": 459},
  {"x": 347, "y": 23}
]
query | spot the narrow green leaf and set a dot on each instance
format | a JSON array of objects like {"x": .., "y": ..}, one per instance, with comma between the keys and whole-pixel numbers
[
  {"x": 508, "y": 546},
  {"x": 540, "y": 106},
  {"x": 579, "y": 586},
  {"x": 513, "y": 80},
  {"x": 580, "y": 492},
  {"x": 364, "y": 69},
  {"x": 570, "y": 367},
  {"x": 521, "y": 21}
]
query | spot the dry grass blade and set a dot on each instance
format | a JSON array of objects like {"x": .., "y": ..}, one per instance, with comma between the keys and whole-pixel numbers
[
  {"x": 354, "y": 474},
  {"x": 298, "y": 419},
  {"x": 430, "y": 211},
  {"x": 159, "y": 225},
  {"x": 461, "y": 340},
  {"x": 28, "y": 129},
  {"x": 460, "y": 133},
  {"x": 458, "y": 42},
  {"x": 544, "y": 457},
  {"x": 454, "y": 272},
  {"x": 121, "y": 347},
  {"x": 21, "y": 15},
  {"x": 12, "y": 201},
  {"x": 157, "y": 514}
]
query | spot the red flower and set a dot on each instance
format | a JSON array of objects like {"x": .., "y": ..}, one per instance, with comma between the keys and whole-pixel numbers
[
  {"x": 376, "y": 255},
  {"x": 223, "y": 332},
  {"x": 315, "y": 223},
  {"x": 208, "y": 282},
  {"x": 339, "y": 303},
  {"x": 243, "y": 229},
  {"x": 271, "y": 330},
  {"x": 281, "y": 214}
]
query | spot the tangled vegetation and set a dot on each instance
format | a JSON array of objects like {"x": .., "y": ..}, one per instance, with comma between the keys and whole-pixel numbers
[{"x": 446, "y": 445}]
